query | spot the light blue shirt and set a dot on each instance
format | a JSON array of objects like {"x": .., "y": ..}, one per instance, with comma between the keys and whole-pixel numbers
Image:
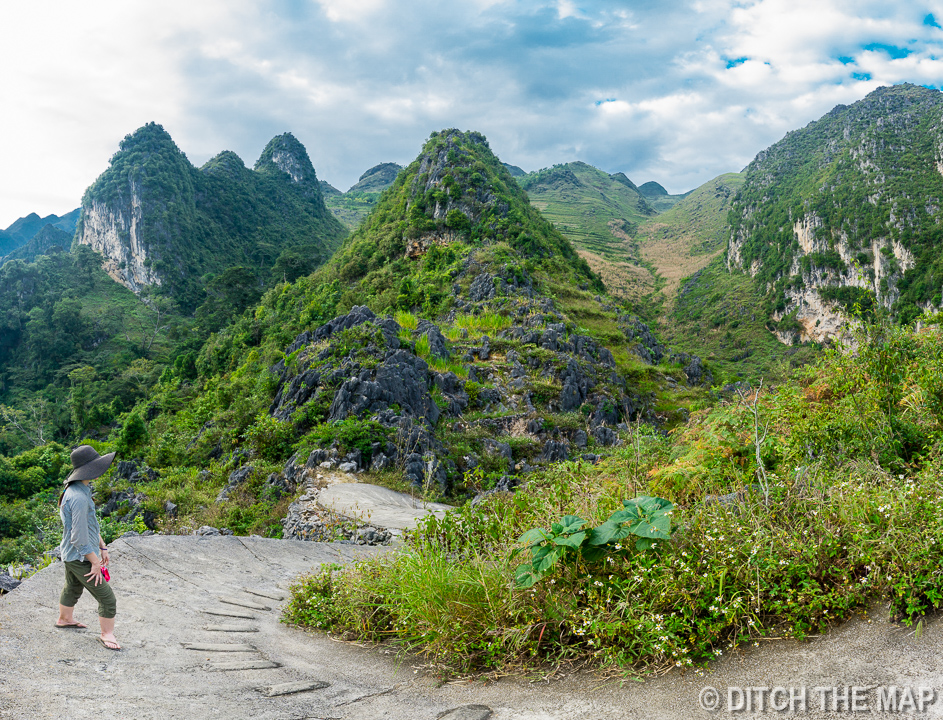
[{"x": 80, "y": 531}]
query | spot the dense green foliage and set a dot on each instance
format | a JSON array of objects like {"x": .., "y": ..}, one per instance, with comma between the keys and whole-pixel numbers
[
  {"x": 720, "y": 316},
  {"x": 868, "y": 175},
  {"x": 850, "y": 449},
  {"x": 77, "y": 349}
]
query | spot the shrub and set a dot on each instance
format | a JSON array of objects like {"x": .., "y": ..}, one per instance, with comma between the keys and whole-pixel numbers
[
  {"x": 350, "y": 434},
  {"x": 271, "y": 438}
]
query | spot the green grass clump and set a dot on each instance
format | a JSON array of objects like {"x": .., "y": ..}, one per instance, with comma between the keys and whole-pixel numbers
[
  {"x": 487, "y": 323},
  {"x": 406, "y": 319}
]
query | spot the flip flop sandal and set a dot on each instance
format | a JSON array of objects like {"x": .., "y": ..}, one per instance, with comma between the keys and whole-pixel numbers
[
  {"x": 72, "y": 626},
  {"x": 105, "y": 645}
]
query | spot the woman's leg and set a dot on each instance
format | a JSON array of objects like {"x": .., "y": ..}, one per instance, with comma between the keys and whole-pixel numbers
[
  {"x": 108, "y": 632},
  {"x": 70, "y": 595},
  {"x": 107, "y": 605}
]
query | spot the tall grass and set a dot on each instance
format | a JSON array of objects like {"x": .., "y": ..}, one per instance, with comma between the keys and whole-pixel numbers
[
  {"x": 406, "y": 319},
  {"x": 487, "y": 323}
]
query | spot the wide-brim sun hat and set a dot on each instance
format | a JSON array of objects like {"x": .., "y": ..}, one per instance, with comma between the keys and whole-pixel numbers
[{"x": 87, "y": 464}]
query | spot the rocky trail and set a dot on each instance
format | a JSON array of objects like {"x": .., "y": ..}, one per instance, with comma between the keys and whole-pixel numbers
[{"x": 199, "y": 621}]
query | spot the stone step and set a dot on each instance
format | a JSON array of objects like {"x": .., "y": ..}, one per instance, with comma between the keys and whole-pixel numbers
[
  {"x": 290, "y": 688},
  {"x": 243, "y": 665},
  {"x": 270, "y": 594},
  {"x": 243, "y": 602},
  {"x": 467, "y": 712},
  {"x": 230, "y": 613},
  {"x": 216, "y": 647},
  {"x": 231, "y": 628}
]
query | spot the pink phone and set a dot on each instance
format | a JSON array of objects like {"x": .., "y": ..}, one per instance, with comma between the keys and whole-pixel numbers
[{"x": 105, "y": 573}]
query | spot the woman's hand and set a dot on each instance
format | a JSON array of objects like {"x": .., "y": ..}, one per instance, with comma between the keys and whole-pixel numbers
[
  {"x": 95, "y": 576},
  {"x": 106, "y": 558}
]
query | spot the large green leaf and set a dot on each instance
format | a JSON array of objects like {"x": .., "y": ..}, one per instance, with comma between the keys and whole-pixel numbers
[
  {"x": 608, "y": 532},
  {"x": 525, "y": 577},
  {"x": 573, "y": 541},
  {"x": 546, "y": 557},
  {"x": 654, "y": 517},
  {"x": 534, "y": 536},
  {"x": 571, "y": 523}
]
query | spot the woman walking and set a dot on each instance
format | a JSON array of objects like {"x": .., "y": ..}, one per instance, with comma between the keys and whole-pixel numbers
[{"x": 81, "y": 544}]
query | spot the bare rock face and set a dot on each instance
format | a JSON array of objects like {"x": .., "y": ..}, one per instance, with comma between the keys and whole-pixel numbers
[
  {"x": 285, "y": 154},
  {"x": 135, "y": 211},
  {"x": 842, "y": 216},
  {"x": 115, "y": 232}
]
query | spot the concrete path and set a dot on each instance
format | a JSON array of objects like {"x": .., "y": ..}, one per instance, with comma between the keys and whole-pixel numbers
[
  {"x": 199, "y": 621},
  {"x": 377, "y": 505}
]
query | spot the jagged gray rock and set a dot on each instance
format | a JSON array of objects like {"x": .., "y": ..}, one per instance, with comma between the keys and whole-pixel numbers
[
  {"x": 401, "y": 379},
  {"x": 8, "y": 583},
  {"x": 554, "y": 451},
  {"x": 236, "y": 478}
]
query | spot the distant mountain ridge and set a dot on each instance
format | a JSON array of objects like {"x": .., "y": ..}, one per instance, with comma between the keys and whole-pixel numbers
[
  {"x": 159, "y": 221},
  {"x": 47, "y": 240},
  {"x": 26, "y": 228},
  {"x": 598, "y": 212},
  {"x": 353, "y": 206},
  {"x": 658, "y": 197}
]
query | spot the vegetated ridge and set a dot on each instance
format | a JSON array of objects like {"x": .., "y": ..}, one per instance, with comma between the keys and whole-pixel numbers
[
  {"x": 158, "y": 221},
  {"x": 698, "y": 305},
  {"x": 353, "y": 206},
  {"x": 49, "y": 239},
  {"x": 455, "y": 343},
  {"x": 845, "y": 214},
  {"x": 658, "y": 197}
]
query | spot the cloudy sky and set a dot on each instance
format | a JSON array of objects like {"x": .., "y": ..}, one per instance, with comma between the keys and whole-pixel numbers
[{"x": 677, "y": 92}]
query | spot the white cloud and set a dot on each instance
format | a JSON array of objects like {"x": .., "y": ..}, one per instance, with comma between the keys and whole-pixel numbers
[{"x": 350, "y": 10}]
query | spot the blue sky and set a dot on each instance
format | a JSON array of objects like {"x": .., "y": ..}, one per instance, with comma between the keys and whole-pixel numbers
[{"x": 676, "y": 92}]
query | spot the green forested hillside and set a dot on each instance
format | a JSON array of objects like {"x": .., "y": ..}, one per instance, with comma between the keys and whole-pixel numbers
[
  {"x": 586, "y": 204},
  {"x": 848, "y": 208},
  {"x": 194, "y": 224},
  {"x": 77, "y": 349},
  {"x": 494, "y": 325},
  {"x": 26, "y": 228},
  {"x": 600, "y": 214},
  {"x": 49, "y": 239},
  {"x": 463, "y": 199}
]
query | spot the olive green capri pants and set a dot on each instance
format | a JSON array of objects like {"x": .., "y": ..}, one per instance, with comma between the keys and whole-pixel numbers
[{"x": 75, "y": 582}]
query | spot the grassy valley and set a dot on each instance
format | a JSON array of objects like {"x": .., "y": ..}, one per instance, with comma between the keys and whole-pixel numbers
[{"x": 683, "y": 239}]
